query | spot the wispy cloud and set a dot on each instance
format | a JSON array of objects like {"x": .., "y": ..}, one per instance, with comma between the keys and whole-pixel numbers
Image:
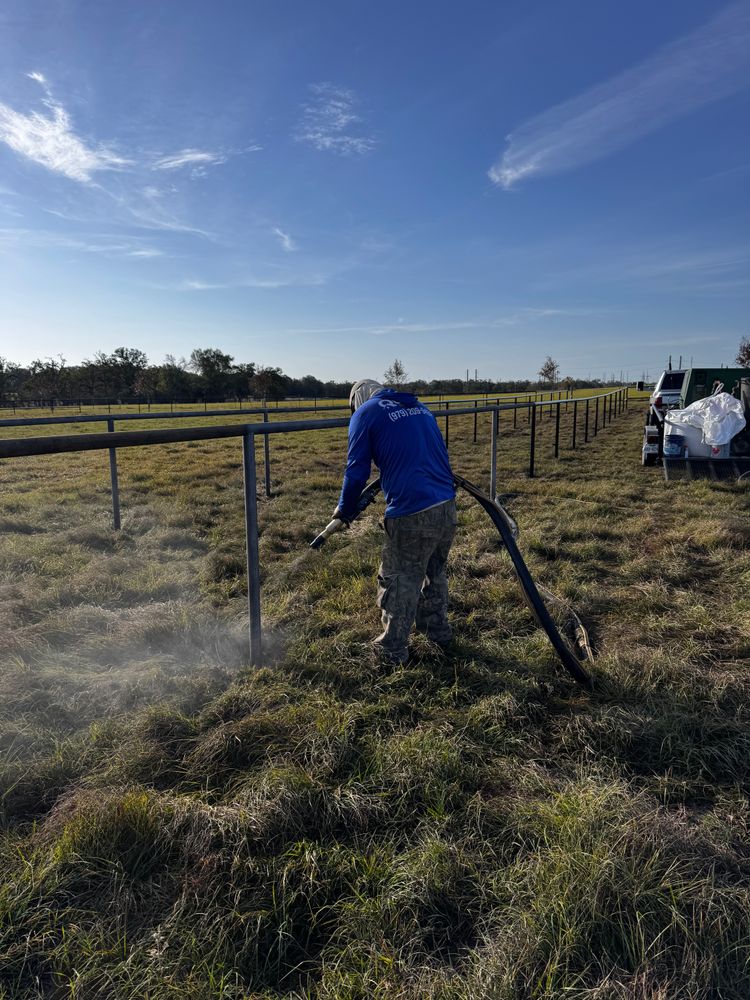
[
  {"x": 701, "y": 67},
  {"x": 250, "y": 281},
  {"x": 97, "y": 243},
  {"x": 194, "y": 158},
  {"x": 330, "y": 122},
  {"x": 667, "y": 268},
  {"x": 146, "y": 252},
  {"x": 286, "y": 241},
  {"x": 526, "y": 314},
  {"x": 50, "y": 140}
]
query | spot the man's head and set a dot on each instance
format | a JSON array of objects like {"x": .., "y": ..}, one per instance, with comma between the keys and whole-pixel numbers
[{"x": 362, "y": 391}]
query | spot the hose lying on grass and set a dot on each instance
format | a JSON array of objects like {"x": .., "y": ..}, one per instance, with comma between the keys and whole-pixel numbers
[{"x": 508, "y": 531}]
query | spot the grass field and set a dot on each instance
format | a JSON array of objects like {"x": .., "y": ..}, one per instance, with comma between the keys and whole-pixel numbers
[{"x": 176, "y": 824}]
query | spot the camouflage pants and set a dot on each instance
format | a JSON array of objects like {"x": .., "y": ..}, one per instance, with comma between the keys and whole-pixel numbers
[{"x": 412, "y": 585}]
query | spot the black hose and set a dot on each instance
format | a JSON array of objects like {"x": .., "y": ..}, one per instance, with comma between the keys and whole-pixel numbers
[
  {"x": 507, "y": 530},
  {"x": 500, "y": 518}
]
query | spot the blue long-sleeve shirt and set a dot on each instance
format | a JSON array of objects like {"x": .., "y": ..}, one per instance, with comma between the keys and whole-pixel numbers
[{"x": 400, "y": 435}]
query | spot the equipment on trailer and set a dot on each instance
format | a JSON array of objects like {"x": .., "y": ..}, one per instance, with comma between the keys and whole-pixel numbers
[
  {"x": 507, "y": 528},
  {"x": 672, "y": 432}
]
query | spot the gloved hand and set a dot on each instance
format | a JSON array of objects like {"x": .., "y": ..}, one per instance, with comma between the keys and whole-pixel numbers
[{"x": 338, "y": 516}]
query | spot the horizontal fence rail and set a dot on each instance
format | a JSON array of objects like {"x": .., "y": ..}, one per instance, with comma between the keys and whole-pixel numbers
[
  {"x": 105, "y": 418},
  {"x": 612, "y": 403},
  {"x": 62, "y": 404}
]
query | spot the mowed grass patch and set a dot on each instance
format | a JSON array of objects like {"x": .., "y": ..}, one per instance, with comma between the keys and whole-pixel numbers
[{"x": 463, "y": 827}]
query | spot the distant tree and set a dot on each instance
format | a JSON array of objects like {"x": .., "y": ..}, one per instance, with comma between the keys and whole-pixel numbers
[
  {"x": 269, "y": 383},
  {"x": 395, "y": 376},
  {"x": 146, "y": 382},
  {"x": 174, "y": 381},
  {"x": 46, "y": 377},
  {"x": 242, "y": 376},
  {"x": 215, "y": 369},
  {"x": 550, "y": 371},
  {"x": 10, "y": 377},
  {"x": 311, "y": 386},
  {"x": 743, "y": 354}
]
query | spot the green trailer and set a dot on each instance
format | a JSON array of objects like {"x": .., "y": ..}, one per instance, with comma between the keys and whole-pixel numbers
[{"x": 700, "y": 382}]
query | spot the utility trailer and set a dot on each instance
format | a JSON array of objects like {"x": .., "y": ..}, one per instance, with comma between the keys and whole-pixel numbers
[{"x": 677, "y": 390}]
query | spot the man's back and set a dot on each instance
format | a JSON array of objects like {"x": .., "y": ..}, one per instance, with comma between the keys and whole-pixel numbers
[{"x": 401, "y": 436}]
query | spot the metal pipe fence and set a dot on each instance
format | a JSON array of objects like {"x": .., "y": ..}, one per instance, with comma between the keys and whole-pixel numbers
[
  {"x": 248, "y": 432},
  {"x": 327, "y": 401},
  {"x": 91, "y": 418}
]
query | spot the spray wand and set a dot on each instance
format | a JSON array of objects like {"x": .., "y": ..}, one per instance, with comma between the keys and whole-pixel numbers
[{"x": 366, "y": 497}]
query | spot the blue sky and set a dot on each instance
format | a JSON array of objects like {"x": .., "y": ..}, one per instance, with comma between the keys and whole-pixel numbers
[{"x": 325, "y": 186}]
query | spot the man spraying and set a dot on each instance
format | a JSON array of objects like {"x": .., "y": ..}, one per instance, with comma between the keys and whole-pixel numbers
[{"x": 400, "y": 435}]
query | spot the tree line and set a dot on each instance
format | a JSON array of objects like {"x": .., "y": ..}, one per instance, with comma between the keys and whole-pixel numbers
[
  {"x": 211, "y": 375},
  {"x": 126, "y": 375}
]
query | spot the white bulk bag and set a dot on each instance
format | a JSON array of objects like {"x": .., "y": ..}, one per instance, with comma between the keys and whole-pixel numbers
[{"x": 719, "y": 417}]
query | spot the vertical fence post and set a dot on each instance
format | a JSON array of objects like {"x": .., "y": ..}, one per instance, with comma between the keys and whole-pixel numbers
[
  {"x": 596, "y": 417},
  {"x": 253, "y": 558},
  {"x": 515, "y": 411},
  {"x": 557, "y": 430},
  {"x": 475, "y": 421},
  {"x": 493, "y": 453},
  {"x": 586, "y": 426},
  {"x": 575, "y": 424},
  {"x": 267, "y": 456},
  {"x": 114, "y": 480},
  {"x": 447, "y": 418},
  {"x": 532, "y": 442}
]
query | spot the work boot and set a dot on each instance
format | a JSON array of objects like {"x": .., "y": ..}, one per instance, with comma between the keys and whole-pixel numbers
[
  {"x": 386, "y": 658},
  {"x": 442, "y": 638}
]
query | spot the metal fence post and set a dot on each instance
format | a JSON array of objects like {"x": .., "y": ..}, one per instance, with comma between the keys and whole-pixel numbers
[
  {"x": 475, "y": 420},
  {"x": 557, "y": 431},
  {"x": 253, "y": 558},
  {"x": 515, "y": 411},
  {"x": 575, "y": 424},
  {"x": 586, "y": 426},
  {"x": 267, "y": 456},
  {"x": 447, "y": 428},
  {"x": 532, "y": 444},
  {"x": 596, "y": 417},
  {"x": 493, "y": 453},
  {"x": 114, "y": 480}
]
